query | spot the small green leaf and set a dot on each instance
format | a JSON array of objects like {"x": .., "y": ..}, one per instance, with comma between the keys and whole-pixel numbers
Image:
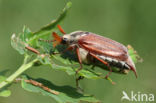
[
  {"x": 66, "y": 94},
  {"x": 26, "y": 35},
  {"x": 21, "y": 41},
  {"x": 18, "y": 44},
  {"x": 53, "y": 23},
  {"x": 2, "y": 78},
  {"x": 45, "y": 31},
  {"x": 133, "y": 54},
  {"x": 4, "y": 92}
]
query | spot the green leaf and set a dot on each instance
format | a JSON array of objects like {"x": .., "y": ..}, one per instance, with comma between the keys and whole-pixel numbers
[
  {"x": 4, "y": 92},
  {"x": 2, "y": 78},
  {"x": 59, "y": 63},
  {"x": 133, "y": 54},
  {"x": 66, "y": 94},
  {"x": 26, "y": 35},
  {"x": 45, "y": 32},
  {"x": 21, "y": 41},
  {"x": 18, "y": 44},
  {"x": 54, "y": 23}
]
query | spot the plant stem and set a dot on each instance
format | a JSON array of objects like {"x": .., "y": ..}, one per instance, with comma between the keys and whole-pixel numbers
[{"x": 21, "y": 69}]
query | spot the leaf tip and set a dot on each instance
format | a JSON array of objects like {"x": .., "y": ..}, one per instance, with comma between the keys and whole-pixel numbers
[
  {"x": 13, "y": 36},
  {"x": 69, "y": 4}
]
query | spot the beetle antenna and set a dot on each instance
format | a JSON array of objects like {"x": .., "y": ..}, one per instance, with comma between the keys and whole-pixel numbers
[
  {"x": 48, "y": 41},
  {"x": 57, "y": 39},
  {"x": 61, "y": 30}
]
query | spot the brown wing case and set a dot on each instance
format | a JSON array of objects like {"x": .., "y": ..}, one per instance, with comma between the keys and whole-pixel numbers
[{"x": 103, "y": 46}]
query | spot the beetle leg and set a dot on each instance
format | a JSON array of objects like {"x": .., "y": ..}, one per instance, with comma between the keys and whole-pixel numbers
[
  {"x": 77, "y": 81},
  {"x": 79, "y": 59},
  {"x": 32, "y": 50},
  {"x": 104, "y": 62},
  {"x": 80, "y": 62}
]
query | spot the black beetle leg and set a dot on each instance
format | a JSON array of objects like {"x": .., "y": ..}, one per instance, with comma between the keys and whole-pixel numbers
[{"x": 77, "y": 81}]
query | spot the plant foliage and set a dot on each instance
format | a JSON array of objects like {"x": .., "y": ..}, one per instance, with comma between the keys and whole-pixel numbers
[{"x": 25, "y": 43}]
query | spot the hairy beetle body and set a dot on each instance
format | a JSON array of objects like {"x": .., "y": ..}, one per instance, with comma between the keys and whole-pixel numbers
[{"x": 114, "y": 53}]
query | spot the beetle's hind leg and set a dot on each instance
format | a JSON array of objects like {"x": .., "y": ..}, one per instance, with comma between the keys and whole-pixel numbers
[
  {"x": 110, "y": 70},
  {"x": 104, "y": 62}
]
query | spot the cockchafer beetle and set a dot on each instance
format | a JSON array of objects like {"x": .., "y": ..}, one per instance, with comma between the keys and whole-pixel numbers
[{"x": 105, "y": 50}]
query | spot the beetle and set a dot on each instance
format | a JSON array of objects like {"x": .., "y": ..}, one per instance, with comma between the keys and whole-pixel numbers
[{"x": 105, "y": 50}]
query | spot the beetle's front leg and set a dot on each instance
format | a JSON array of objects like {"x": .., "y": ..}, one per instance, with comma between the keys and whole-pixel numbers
[
  {"x": 80, "y": 62},
  {"x": 79, "y": 59}
]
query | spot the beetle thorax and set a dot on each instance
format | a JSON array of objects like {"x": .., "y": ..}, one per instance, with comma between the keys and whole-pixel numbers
[{"x": 73, "y": 37}]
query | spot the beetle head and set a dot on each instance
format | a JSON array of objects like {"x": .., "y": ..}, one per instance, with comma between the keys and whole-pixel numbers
[{"x": 68, "y": 39}]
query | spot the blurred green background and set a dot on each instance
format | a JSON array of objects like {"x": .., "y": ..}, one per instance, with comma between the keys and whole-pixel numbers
[{"x": 126, "y": 21}]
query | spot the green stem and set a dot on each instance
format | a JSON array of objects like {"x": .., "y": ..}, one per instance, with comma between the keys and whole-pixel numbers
[{"x": 21, "y": 69}]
